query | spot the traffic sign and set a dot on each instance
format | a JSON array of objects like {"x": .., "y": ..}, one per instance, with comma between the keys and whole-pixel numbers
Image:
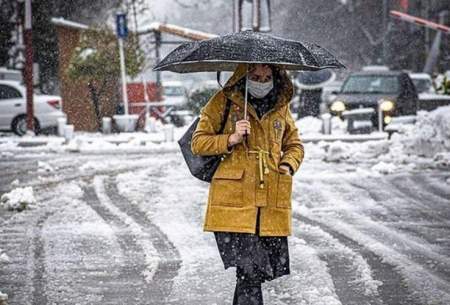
[{"x": 121, "y": 25}]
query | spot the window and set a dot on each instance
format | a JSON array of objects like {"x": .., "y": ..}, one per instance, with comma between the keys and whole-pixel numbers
[
  {"x": 173, "y": 91},
  {"x": 423, "y": 85},
  {"x": 371, "y": 84},
  {"x": 7, "y": 92}
]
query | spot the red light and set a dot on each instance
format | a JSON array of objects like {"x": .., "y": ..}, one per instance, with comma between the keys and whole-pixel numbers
[{"x": 54, "y": 103}]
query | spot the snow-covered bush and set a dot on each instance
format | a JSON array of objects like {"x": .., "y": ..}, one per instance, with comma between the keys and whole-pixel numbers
[{"x": 18, "y": 199}]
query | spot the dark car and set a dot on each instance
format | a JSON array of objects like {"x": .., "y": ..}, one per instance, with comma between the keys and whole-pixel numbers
[{"x": 367, "y": 94}]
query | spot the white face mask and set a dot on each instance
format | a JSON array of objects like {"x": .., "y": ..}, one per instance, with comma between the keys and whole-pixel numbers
[{"x": 259, "y": 90}]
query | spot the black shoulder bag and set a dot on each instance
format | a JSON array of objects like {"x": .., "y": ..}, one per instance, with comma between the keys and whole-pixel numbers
[{"x": 201, "y": 167}]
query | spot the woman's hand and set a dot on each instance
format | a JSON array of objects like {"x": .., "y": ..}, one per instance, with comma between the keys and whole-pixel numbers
[
  {"x": 238, "y": 136},
  {"x": 284, "y": 169}
]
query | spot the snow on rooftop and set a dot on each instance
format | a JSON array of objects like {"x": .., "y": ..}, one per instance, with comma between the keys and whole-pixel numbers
[
  {"x": 176, "y": 30},
  {"x": 70, "y": 24}
]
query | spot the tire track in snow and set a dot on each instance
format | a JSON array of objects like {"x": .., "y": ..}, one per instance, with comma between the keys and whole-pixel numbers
[
  {"x": 170, "y": 261},
  {"x": 394, "y": 248},
  {"x": 418, "y": 236},
  {"x": 25, "y": 273},
  {"x": 132, "y": 285},
  {"x": 15, "y": 276},
  {"x": 38, "y": 257},
  {"x": 417, "y": 188},
  {"x": 348, "y": 288},
  {"x": 412, "y": 220}
]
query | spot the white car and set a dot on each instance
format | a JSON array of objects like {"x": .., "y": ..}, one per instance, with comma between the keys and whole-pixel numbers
[
  {"x": 174, "y": 94},
  {"x": 47, "y": 108}
]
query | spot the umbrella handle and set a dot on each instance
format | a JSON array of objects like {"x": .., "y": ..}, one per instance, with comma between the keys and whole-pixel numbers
[
  {"x": 246, "y": 138},
  {"x": 245, "y": 105}
]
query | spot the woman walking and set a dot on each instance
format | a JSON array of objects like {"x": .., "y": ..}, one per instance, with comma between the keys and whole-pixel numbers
[{"x": 249, "y": 201}]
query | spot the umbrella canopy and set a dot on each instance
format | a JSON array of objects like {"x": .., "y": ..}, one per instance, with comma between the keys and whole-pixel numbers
[
  {"x": 314, "y": 79},
  {"x": 224, "y": 53}
]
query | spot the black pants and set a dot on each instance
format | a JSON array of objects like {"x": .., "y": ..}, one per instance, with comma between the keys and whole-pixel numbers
[
  {"x": 248, "y": 283},
  {"x": 248, "y": 289},
  {"x": 257, "y": 259}
]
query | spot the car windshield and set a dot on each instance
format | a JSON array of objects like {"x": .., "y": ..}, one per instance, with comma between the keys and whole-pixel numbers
[
  {"x": 371, "y": 84},
  {"x": 422, "y": 85},
  {"x": 173, "y": 91}
]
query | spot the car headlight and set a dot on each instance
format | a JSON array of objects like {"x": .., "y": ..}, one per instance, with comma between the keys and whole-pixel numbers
[
  {"x": 386, "y": 105},
  {"x": 337, "y": 106}
]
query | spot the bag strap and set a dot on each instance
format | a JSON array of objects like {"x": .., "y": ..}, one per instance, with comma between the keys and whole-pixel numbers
[
  {"x": 218, "y": 79},
  {"x": 225, "y": 115}
]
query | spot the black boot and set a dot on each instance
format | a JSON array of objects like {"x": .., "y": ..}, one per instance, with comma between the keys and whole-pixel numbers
[{"x": 248, "y": 294}]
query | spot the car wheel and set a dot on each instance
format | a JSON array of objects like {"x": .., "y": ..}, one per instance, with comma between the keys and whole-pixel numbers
[{"x": 19, "y": 125}]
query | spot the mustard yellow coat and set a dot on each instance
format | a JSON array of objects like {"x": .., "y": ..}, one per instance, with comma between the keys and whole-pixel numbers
[{"x": 248, "y": 176}]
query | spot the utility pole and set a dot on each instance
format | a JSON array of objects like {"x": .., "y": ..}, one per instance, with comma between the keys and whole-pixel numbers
[
  {"x": 237, "y": 15},
  {"x": 122, "y": 33},
  {"x": 385, "y": 29},
  {"x": 158, "y": 56},
  {"x": 259, "y": 22},
  {"x": 256, "y": 15},
  {"x": 28, "y": 70}
]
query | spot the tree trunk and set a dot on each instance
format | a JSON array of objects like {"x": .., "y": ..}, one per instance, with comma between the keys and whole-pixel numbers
[{"x": 96, "y": 102}]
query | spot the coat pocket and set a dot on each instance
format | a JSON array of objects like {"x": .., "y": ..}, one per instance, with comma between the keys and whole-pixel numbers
[
  {"x": 284, "y": 191},
  {"x": 227, "y": 187}
]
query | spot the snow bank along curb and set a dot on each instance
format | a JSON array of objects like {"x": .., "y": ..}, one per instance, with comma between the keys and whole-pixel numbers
[
  {"x": 91, "y": 144},
  {"x": 424, "y": 144}
]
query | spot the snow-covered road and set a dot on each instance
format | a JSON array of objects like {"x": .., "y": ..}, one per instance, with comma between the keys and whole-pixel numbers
[{"x": 127, "y": 229}]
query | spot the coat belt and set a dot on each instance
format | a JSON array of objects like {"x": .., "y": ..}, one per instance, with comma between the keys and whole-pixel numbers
[{"x": 263, "y": 169}]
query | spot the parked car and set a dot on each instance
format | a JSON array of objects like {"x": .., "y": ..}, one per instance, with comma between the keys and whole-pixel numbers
[
  {"x": 429, "y": 99},
  {"x": 47, "y": 109},
  {"x": 422, "y": 82},
  {"x": 329, "y": 91},
  {"x": 391, "y": 91},
  {"x": 9, "y": 74},
  {"x": 175, "y": 96}
]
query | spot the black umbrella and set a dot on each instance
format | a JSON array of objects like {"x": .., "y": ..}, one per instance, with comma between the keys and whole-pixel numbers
[{"x": 224, "y": 53}]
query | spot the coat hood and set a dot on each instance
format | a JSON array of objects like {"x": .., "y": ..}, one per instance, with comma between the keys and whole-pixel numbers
[{"x": 285, "y": 90}]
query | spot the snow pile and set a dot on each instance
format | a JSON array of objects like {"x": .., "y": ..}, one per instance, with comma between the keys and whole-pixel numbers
[
  {"x": 384, "y": 168},
  {"x": 337, "y": 151},
  {"x": 352, "y": 152},
  {"x": 4, "y": 258},
  {"x": 442, "y": 160},
  {"x": 429, "y": 136},
  {"x": 18, "y": 199},
  {"x": 44, "y": 167},
  {"x": 425, "y": 144},
  {"x": 311, "y": 125}
]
